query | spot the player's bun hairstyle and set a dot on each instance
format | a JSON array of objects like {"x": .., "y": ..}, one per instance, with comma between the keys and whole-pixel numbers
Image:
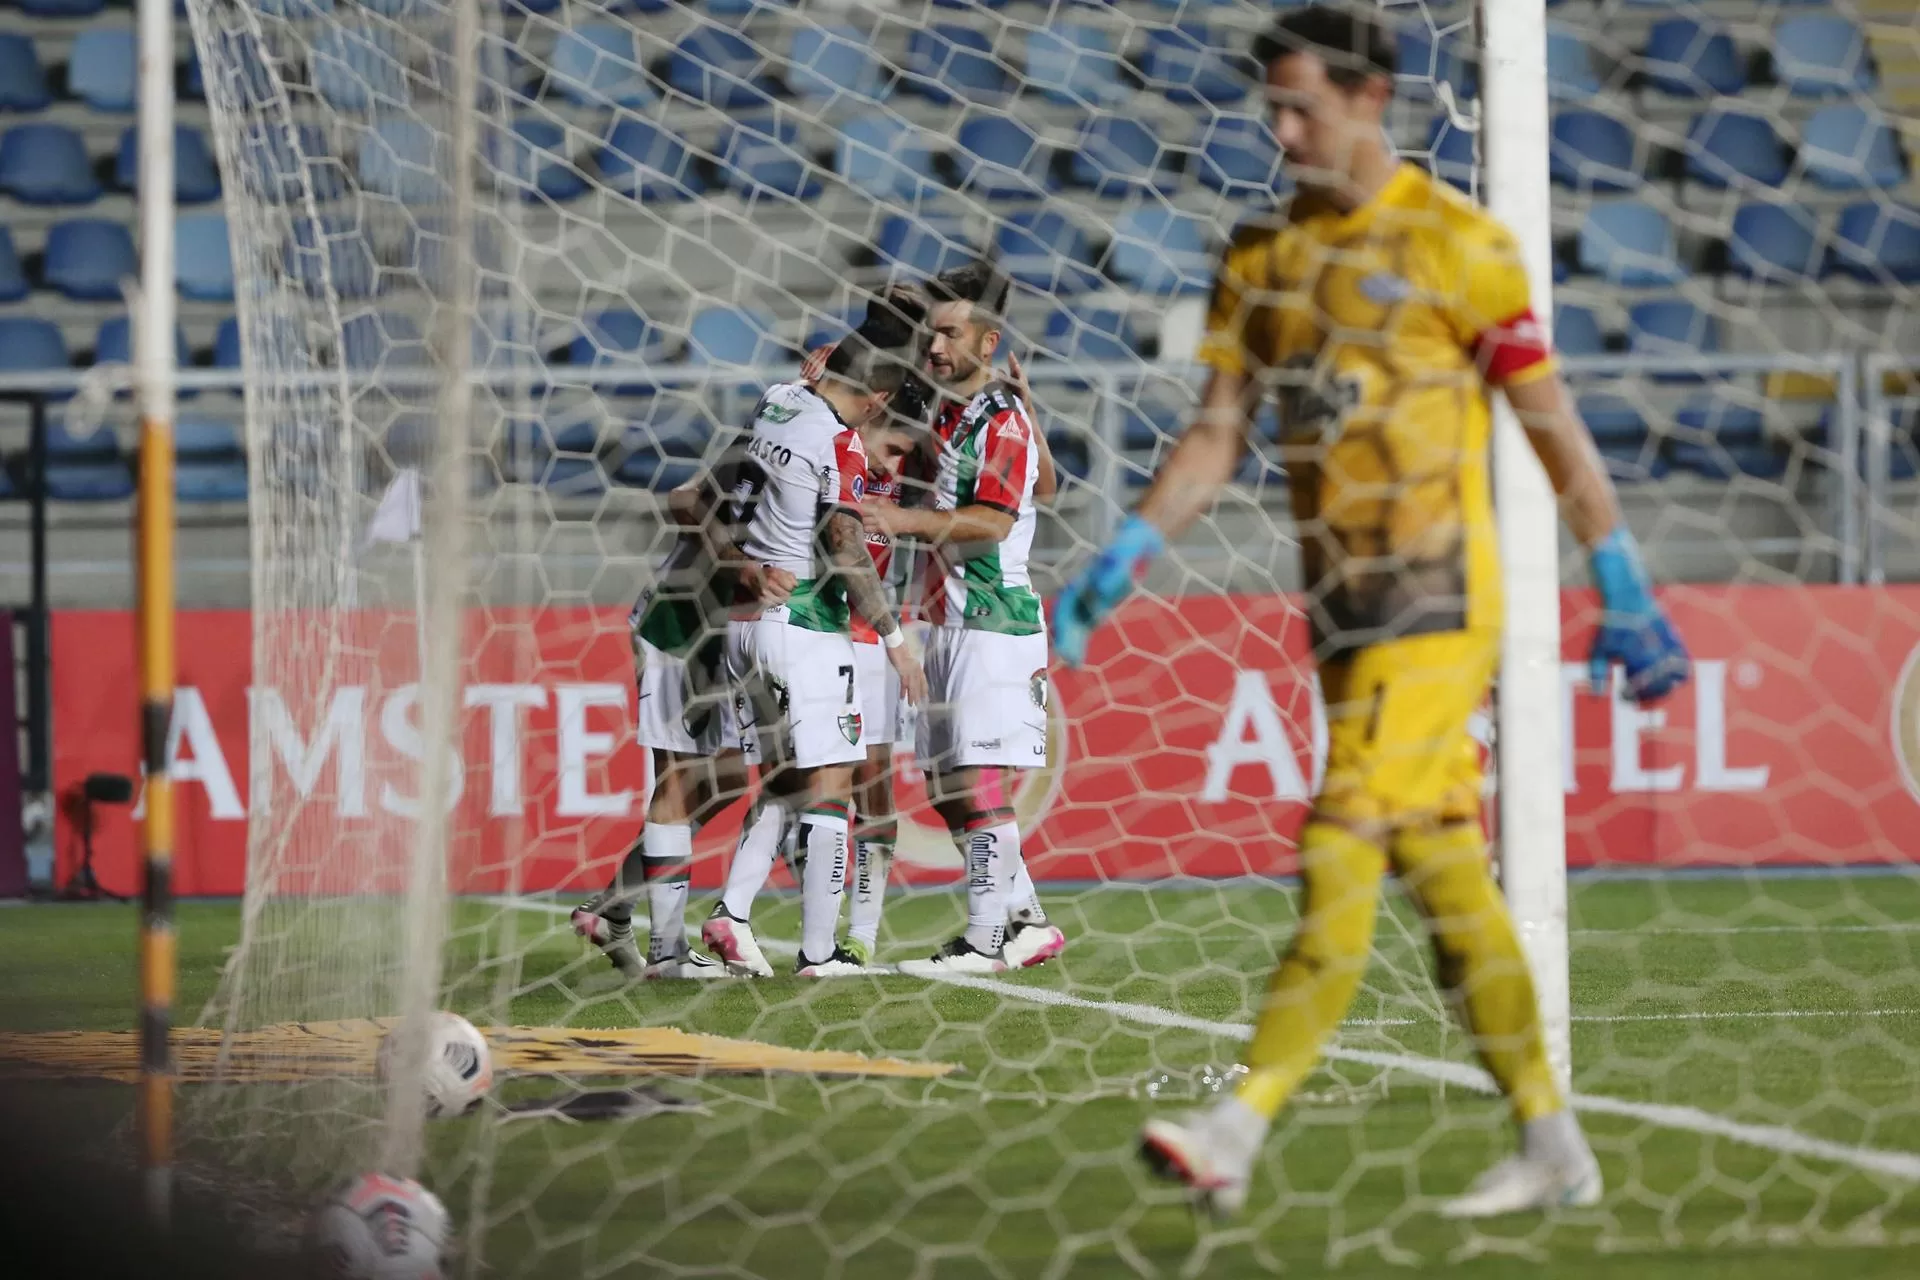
[
  {"x": 979, "y": 282},
  {"x": 1354, "y": 43},
  {"x": 885, "y": 352}
]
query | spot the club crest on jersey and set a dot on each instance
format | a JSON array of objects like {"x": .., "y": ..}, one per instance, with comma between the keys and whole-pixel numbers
[
  {"x": 850, "y": 727},
  {"x": 778, "y": 412},
  {"x": 859, "y": 488},
  {"x": 1385, "y": 288},
  {"x": 1037, "y": 688}
]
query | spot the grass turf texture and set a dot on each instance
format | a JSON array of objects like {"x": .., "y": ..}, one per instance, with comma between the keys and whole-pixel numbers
[{"x": 1023, "y": 1167}]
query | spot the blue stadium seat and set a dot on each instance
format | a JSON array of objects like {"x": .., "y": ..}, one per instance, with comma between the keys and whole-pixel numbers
[
  {"x": 1239, "y": 158},
  {"x": 714, "y": 65},
  {"x": 296, "y": 9},
  {"x": 23, "y": 82},
  {"x": 1047, "y": 250},
  {"x": 13, "y": 281},
  {"x": 102, "y": 67},
  {"x": 537, "y": 163},
  {"x": 1184, "y": 64},
  {"x": 923, "y": 247},
  {"x": 1072, "y": 456},
  {"x": 358, "y": 68},
  {"x": 1577, "y": 332},
  {"x": 29, "y": 344},
  {"x": 1117, "y": 155},
  {"x": 282, "y": 167},
  {"x": 740, "y": 8},
  {"x": 946, "y": 62},
  {"x": 211, "y": 463},
  {"x": 46, "y": 164},
  {"x": 382, "y": 340},
  {"x": 646, "y": 161},
  {"x": 663, "y": 449},
  {"x": 203, "y": 262},
  {"x": 402, "y": 159},
  {"x": 196, "y": 178},
  {"x": 619, "y": 341},
  {"x": 1688, "y": 60},
  {"x": 1777, "y": 242},
  {"x": 86, "y": 468},
  {"x": 1452, "y": 155},
  {"x": 829, "y": 62},
  {"x": 1091, "y": 334},
  {"x": 331, "y": 254},
  {"x": 1427, "y": 61},
  {"x": 1723, "y": 437},
  {"x": 1146, "y": 426},
  {"x": 1593, "y": 153},
  {"x": 88, "y": 258},
  {"x": 886, "y": 157},
  {"x": 1821, "y": 56},
  {"x": 1878, "y": 242},
  {"x": 762, "y": 154},
  {"x": 734, "y": 335},
  {"x": 1000, "y": 159},
  {"x": 1571, "y": 75},
  {"x": 1160, "y": 250},
  {"x": 1612, "y": 420},
  {"x": 1629, "y": 243},
  {"x": 1844, "y": 148},
  {"x": 226, "y": 344},
  {"x": 595, "y": 65},
  {"x": 1735, "y": 148},
  {"x": 1074, "y": 63},
  {"x": 60, "y": 8},
  {"x": 1671, "y": 327}
]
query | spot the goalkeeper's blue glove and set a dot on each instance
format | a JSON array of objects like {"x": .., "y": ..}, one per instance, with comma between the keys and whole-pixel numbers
[
  {"x": 1084, "y": 603},
  {"x": 1634, "y": 631}
]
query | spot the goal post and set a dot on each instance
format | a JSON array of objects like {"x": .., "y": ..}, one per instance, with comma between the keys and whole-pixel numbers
[{"x": 1529, "y": 734}]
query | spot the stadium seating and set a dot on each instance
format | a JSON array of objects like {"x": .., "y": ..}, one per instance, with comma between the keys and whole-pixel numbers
[
  {"x": 1819, "y": 56},
  {"x": 1183, "y": 64},
  {"x": 1091, "y": 334},
  {"x": 86, "y": 468},
  {"x": 644, "y": 160},
  {"x": 29, "y": 344},
  {"x": 734, "y": 335},
  {"x": 1117, "y": 155},
  {"x": 46, "y": 164},
  {"x": 101, "y": 68},
  {"x": 1775, "y": 242},
  {"x": 1075, "y": 63},
  {"x": 827, "y": 63},
  {"x": 922, "y": 247},
  {"x": 211, "y": 462},
  {"x": 1159, "y": 250},
  {"x": 1727, "y": 148},
  {"x": 23, "y": 82},
  {"x": 761, "y": 154},
  {"x": 887, "y": 158},
  {"x": 282, "y": 169},
  {"x": 13, "y": 281},
  {"x": 203, "y": 262},
  {"x": 1571, "y": 74},
  {"x": 88, "y": 259},
  {"x": 1629, "y": 243},
  {"x": 1001, "y": 159},
  {"x": 1451, "y": 152},
  {"x": 1427, "y": 62},
  {"x": 719, "y": 67},
  {"x": 1593, "y": 153},
  {"x": 1846, "y": 148},
  {"x": 619, "y": 340},
  {"x": 1239, "y": 158},
  {"x": 595, "y": 65},
  {"x": 226, "y": 344},
  {"x": 1046, "y": 250},
  {"x": 60, "y": 8},
  {"x": 1669, "y": 328},
  {"x": 536, "y": 161},
  {"x": 946, "y": 63},
  {"x": 1577, "y": 332},
  {"x": 1878, "y": 242},
  {"x": 196, "y": 177},
  {"x": 387, "y": 341},
  {"x": 662, "y": 450},
  {"x": 1721, "y": 437},
  {"x": 400, "y": 159},
  {"x": 1685, "y": 59},
  {"x": 358, "y": 68}
]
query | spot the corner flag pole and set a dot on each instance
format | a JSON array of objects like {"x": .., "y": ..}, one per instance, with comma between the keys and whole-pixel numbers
[
  {"x": 153, "y": 368},
  {"x": 1531, "y": 735}
]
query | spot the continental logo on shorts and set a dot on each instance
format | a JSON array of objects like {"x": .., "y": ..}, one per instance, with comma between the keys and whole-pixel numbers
[
  {"x": 850, "y": 726},
  {"x": 1037, "y": 688},
  {"x": 1906, "y": 722}
]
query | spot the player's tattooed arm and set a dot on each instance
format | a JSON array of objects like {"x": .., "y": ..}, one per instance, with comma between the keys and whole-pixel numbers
[
  {"x": 846, "y": 544},
  {"x": 975, "y": 523}
]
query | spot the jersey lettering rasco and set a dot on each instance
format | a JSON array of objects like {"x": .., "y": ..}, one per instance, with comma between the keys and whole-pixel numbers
[
  {"x": 795, "y": 464},
  {"x": 880, "y": 546},
  {"x": 986, "y": 458}
]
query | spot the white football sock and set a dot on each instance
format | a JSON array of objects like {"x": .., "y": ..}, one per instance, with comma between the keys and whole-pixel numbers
[
  {"x": 823, "y": 840},
  {"x": 873, "y": 863},
  {"x": 989, "y": 875},
  {"x": 753, "y": 857},
  {"x": 666, "y": 853},
  {"x": 1023, "y": 900}
]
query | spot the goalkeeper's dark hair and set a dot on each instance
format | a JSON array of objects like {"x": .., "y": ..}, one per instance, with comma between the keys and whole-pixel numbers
[
  {"x": 980, "y": 282},
  {"x": 1354, "y": 43}
]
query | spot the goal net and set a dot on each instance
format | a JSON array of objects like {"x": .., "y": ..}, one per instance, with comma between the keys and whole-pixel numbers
[{"x": 538, "y": 256}]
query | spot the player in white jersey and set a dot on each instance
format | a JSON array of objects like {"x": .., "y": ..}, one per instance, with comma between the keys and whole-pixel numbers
[
  {"x": 802, "y": 472},
  {"x": 987, "y": 648}
]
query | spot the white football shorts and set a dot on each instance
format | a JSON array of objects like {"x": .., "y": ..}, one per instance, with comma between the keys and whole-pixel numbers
[
  {"x": 877, "y": 685},
  {"x": 986, "y": 700},
  {"x": 663, "y": 708},
  {"x": 798, "y": 701}
]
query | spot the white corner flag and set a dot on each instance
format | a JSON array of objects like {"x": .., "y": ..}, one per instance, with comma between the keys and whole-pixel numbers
[{"x": 397, "y": 518}]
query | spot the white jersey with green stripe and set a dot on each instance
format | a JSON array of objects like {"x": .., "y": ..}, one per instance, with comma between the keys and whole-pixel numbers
[
  {"x": 798, "y": 463},
  {"x": 987, "y": 457}
]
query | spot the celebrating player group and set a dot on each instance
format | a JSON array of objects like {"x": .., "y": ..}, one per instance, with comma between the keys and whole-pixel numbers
[{"x": 1380, "y": 311}]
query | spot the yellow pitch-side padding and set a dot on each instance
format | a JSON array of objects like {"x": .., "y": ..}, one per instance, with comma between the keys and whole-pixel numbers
[{"x": 296, "y": 1051}]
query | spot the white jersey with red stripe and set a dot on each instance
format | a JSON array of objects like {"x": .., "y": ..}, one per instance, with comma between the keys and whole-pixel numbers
[
  {"x": 987, "y": 457},
  {"x": 880, "y": 488},
  {"x": 798, "y": 463}
]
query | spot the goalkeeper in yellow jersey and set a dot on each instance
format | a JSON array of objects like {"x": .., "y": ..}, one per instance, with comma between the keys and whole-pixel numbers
[{"x": 1380, "y": 310}]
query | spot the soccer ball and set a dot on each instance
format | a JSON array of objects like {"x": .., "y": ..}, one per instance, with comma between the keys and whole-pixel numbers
[
  {"x": 381, "y": 1228},
  {"x": 459, "y": 1066}
]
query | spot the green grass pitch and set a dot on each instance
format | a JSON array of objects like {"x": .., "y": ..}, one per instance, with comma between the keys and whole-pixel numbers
[{"x": 1776, "y": 1020}]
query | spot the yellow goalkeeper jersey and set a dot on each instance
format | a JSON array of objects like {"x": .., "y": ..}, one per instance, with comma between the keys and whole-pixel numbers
[{"x": 1380, "y": 330}]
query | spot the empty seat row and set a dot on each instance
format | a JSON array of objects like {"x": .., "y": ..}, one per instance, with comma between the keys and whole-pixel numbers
[
  {"x": 1812, "y": 56},
  {"x": 87, "y": 259},
  {"x": 1628, "y": 242},
  {"x": 1843, "y": 147},
  {"x": 48, "y": 164}
]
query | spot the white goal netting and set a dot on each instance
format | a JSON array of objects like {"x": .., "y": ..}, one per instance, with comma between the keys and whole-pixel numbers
[{"x": 545, "y": 268}]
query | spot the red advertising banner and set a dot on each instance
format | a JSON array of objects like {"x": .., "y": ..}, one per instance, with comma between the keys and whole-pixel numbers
[{"x": 1189, "y": 746}]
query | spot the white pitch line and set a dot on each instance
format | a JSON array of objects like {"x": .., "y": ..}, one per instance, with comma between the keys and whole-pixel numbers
[{"x": 1682, "y": 931}]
